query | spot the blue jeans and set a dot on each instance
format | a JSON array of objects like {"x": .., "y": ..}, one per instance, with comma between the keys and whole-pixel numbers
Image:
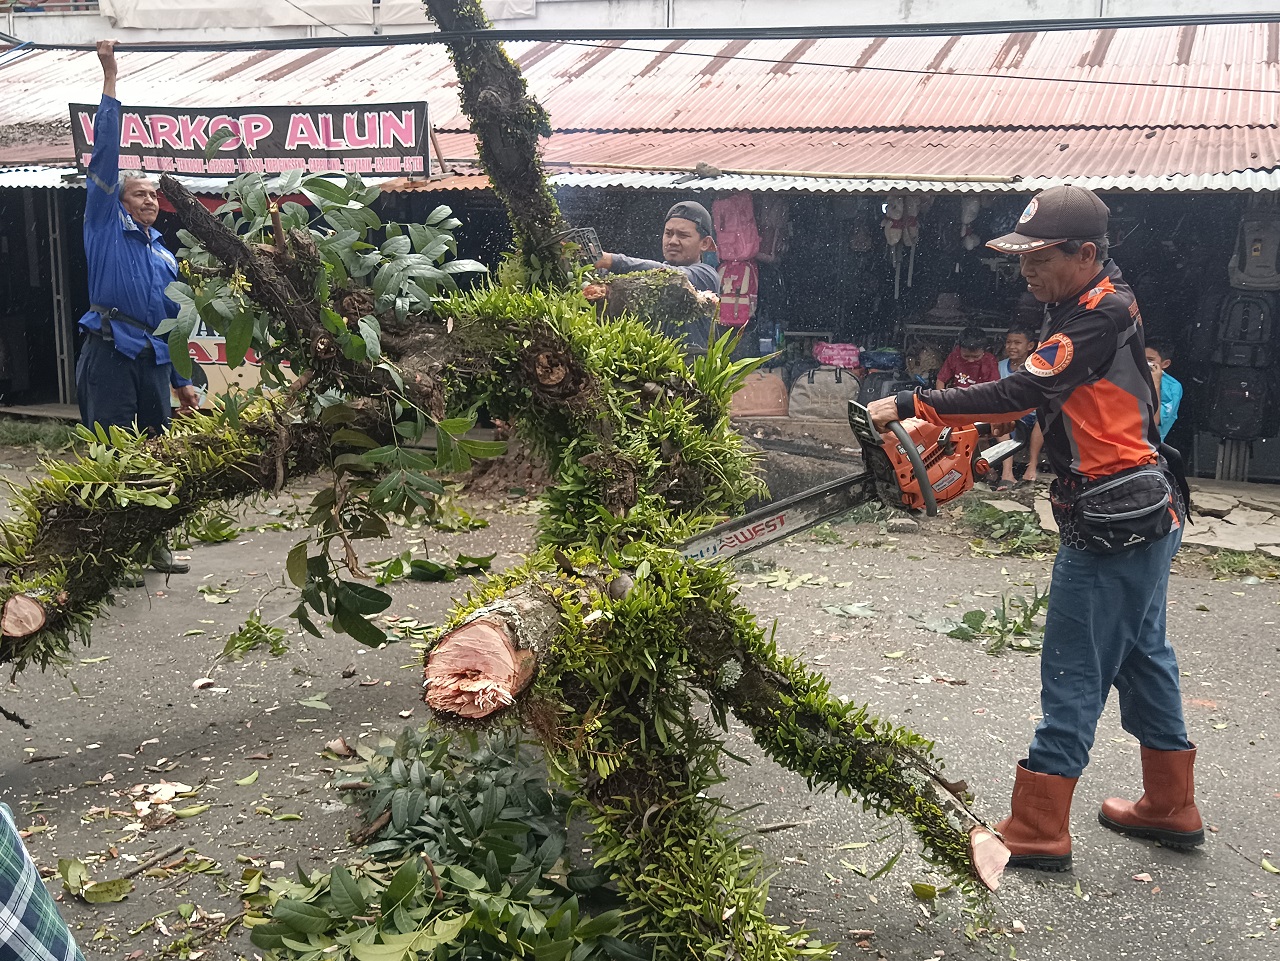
[{"x": 1106, "y": 626}]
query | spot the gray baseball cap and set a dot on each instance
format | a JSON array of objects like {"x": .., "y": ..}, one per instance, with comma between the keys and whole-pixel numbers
[{"x": 693, "y": 211}]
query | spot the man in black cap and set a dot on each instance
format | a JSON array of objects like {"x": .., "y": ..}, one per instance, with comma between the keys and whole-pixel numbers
[
  {"x": 1119, "y": 500},
  {"x": 686, "y": 236}
]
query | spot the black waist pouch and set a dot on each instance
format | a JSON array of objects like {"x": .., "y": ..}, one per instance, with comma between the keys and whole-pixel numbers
[{"x": 1126, "y": 510}]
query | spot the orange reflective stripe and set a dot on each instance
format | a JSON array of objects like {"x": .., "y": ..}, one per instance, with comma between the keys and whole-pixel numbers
[
  {"x": 1108, "y": 425},
  {"x": 1091, "y": 298}
]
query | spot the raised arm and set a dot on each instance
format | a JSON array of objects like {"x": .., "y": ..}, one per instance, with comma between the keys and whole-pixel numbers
[
  {"x": 107, "y": 57},
  {"x": 102, "y": 188}
]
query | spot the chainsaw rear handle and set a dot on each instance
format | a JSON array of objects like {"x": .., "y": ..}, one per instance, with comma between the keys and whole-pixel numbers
[{"x": 917, "y": 467}]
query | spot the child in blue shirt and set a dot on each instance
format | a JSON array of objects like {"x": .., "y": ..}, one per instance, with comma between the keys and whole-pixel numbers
[{"x": 1159, "y": 356}]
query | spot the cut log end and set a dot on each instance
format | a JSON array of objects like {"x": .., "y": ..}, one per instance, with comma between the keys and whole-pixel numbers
[
  {"x": 989, "y": 856},
  {"x": 22, "y": 616},
  {"x": 476, "y": 670}
]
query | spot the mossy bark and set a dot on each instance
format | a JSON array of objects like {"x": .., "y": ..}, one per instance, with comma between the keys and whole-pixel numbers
[
  {"x": 786, "y": 707},
  {"x": 507, "y": 122}
]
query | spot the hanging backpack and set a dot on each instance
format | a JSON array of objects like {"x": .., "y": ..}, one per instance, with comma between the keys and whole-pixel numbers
[
  {"x": 738, "y": 293},
  {"x": 1255, "y": 265},
  {"x": 775, "y": 229},
  {"x": 1243, "y": 403},
  {"x": 735, "y": 223},
  {"x": 1246, "y": 328}
]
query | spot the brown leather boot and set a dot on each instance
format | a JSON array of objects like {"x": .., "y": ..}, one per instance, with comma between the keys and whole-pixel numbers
[
  {"x": 1038, "y": 833},
  {"x": 1167, "y": 810}
]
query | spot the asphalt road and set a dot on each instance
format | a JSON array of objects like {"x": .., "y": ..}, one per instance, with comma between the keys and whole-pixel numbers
[{"x": 128, "y": 714}]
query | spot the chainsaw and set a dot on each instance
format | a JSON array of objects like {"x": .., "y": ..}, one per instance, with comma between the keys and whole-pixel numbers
[{"x": 916, "y": 466}]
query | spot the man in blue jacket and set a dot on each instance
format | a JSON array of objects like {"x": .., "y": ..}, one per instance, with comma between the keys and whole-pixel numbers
[{"x": 124, "y": 374}]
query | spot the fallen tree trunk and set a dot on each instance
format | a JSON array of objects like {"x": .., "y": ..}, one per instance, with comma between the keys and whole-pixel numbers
[
  {"x": 488, "y": 663},
  {"x": 78, "y": 530}
]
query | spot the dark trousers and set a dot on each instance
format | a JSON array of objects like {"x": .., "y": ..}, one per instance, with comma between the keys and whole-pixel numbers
[{"x": 116, "y": 391}]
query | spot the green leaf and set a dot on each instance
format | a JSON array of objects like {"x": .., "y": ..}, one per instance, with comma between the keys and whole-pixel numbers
[
  {"x": 441, "y": 213},
  {"x": 344, "y": 892},
  {"x": 296, "y": 565},
  {"x": 588, "y": 879},
  {"x": 600, "y": 924},
  {"x": 404, "y": 883},
  {"x": 482, "y": 448},
  {"x": 318, "y": 189},
  {"x": 302, "y": 916},
  {"x": 1269, "y": 867},
  {"x": 104, "y": 892},
  {"x": 74, "y": 874},
  {"x": 254, "y": 196},
  {"x": 247, "y": 779},
  {"x": 353, "y": 438},
  {"x": 382, "y": 952},
  {"x": 619, "y": 950},
  {"x": 239, "y": 337},
  {"x": 456, "y": 426},
  {"x": 269, "y": 936},
  {"x": 216, "y": 140},
  {"x": 372, "y": 334},
  {"x": 350, "y": 622},
  {"x": 362, "y": 599},
  {"x": 190, "y": 812}
]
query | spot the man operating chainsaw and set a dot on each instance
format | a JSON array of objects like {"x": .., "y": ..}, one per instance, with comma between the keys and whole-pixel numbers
[{"x": 1119, "y": 498}]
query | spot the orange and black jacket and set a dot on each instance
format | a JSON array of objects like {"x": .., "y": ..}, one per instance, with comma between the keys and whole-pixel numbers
[{"x": 1088, "y": 382}]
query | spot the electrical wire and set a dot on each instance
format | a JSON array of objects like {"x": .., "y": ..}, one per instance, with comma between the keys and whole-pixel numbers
[
  {"x": 583, "y": 38},
  {"x": 327, "y": 26},
  {"x": 834, "y": 31},
  {"x": 916, "y": 71}
]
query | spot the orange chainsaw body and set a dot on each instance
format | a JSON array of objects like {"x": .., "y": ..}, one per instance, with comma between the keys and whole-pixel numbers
[{"x": 948, "y": 456}]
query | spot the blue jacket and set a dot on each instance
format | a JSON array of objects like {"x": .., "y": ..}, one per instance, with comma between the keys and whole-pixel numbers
[{"x": 129, "y": 267}]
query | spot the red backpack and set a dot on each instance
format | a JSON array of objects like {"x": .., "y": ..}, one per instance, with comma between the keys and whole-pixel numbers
[
  {"x": 738, "y": 288},
  {"x": 735, "y": 222}
]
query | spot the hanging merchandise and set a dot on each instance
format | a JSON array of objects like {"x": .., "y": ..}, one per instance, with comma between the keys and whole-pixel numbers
[
  {"x": 970, "y": 207},
  {"x": 735, "y": 221},
  {"x": 911, "y": 234},
  {"x": 775, "y": 228},
  {"x": 738, "y": 244},
  {"x": 901, "y": 225},
  {"x": 894, "y": 211},
  {"x": 739, "y": 287}
]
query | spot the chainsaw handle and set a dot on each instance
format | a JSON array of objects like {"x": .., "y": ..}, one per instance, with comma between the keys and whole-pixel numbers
[{"x": 917, "y": 467}]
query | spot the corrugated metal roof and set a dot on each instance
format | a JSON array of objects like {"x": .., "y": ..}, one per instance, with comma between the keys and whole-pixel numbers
[
  {"x": 1060, "y": 152},
  {"x": 1247, "y": 180},
  {"x": 1147, "y": 105},
  {"x": 985, "y": 80}
]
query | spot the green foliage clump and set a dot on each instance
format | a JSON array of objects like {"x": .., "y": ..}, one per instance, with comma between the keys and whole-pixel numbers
[
  {"x": 643, "y": 635},
  {"x": 70, "y": 534},
  {"x": 470, "y": 863},
  {"x": 41, "y": 433},
  {"x": 1016, "y": 533},
  {"x": 637, "y": 437}
]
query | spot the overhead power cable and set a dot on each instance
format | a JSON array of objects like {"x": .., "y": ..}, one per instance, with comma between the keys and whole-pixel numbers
[
  {"x": 604, "y": 38},
  {"x": 834, "y": 31}
]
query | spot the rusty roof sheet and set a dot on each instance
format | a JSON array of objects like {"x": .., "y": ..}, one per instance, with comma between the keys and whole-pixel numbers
[
  {"x": 1209, "y": 75},
  {"x": 1197, "y": 101},
  {"x": 969, "y": 154}
]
